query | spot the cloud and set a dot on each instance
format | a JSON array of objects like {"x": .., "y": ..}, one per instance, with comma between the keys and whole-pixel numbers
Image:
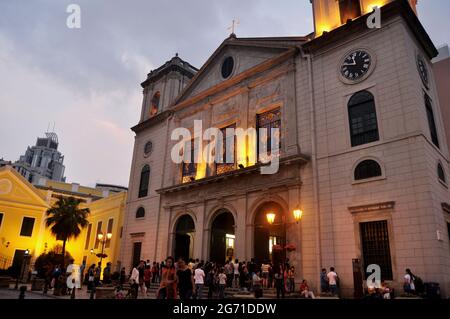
[{"x": 88, "y": 80}]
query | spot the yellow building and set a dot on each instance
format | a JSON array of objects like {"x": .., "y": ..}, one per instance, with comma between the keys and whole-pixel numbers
[{"x": 23, "y": 209}]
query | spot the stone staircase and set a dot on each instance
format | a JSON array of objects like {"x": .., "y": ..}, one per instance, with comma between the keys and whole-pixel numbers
[{"x": 233, "y": 293}]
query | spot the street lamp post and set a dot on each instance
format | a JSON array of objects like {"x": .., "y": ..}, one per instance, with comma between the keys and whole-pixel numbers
[
  {"x": 298, "y": 213},
  {"x": 103, "y": 239}
]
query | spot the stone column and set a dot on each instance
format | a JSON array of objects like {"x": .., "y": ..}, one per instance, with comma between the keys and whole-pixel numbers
[
  {"x": 240, "y": 229},
  {"x": 199, "y": 233},
  {"x": 289, "y": 115}
]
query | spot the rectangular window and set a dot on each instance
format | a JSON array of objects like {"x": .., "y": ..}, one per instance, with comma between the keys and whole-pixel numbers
[
  {"x": 349, "y": 9},
  {"x": 266, "y": 122},
  {"x": 88, "y": 237},
  {"x": 375, "y": 247},
  {"x": 448, "y": 229},
  {"x": 1, "y": 219},
  {"x": 228, "y": 146},
  {"x": 99, "y": 230},
  {"x": 431, "y": 121},
  {"x": 189, "y": 170},
  {"x": 27, "y": 227},
  {"x": 363, "y": 123},
  {"x": 109, "y": 230}
]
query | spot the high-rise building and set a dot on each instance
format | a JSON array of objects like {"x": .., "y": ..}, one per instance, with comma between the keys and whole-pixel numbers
[{"x": 42, "y": 160}]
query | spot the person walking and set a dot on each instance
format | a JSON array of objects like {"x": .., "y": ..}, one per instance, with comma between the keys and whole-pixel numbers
[{"x": 186, "y": 286}]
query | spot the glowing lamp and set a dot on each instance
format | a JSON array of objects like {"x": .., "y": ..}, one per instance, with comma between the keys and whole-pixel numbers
[
  {"x": 100, "y": 236},
  {"x": 109, "y": 235},
  {"x": 27, "y": 252},
  {"x": 270, "y": 218},
  {"x": 298, "y": 213}
]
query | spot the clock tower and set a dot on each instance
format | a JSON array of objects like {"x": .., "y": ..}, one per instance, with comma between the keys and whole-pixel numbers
[{"x": 330, "y": 14}]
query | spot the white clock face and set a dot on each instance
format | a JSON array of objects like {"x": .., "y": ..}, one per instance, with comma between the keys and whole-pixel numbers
[{"x": 356, "y": 65}]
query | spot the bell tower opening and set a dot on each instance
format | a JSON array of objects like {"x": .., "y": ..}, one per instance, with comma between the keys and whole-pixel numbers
[{"x": 349, "y": 9}]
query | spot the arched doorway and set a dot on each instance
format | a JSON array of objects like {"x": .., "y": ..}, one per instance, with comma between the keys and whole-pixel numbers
[
  {"x": 267, "y": 236},
  {"x": 222, "y": 237},
  {"x": 184, "y": 238}
]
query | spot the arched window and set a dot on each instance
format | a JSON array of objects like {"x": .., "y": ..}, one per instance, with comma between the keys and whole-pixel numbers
[
  {"x": 363, "y": 118},
  {"x": 367, "y": 169},
  {"x": 140, "y": 213},
  {"x": 145, "y": 178},
  {"x": 155, "y": 103},
  {"x": 431, "y": 121},
  {"x": 441, "y": 173}
]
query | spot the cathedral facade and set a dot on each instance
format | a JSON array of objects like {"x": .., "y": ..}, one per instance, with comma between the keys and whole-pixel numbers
[{"x": 363, "y": 156}]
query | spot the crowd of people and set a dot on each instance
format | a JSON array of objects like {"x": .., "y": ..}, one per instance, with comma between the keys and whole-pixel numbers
[
  {"x": 188, "y": 279},
  {"x": 181, "y": 279}
]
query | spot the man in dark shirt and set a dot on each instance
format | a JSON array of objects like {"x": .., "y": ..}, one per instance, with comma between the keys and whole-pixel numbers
[{"x": 185, "y": 280}]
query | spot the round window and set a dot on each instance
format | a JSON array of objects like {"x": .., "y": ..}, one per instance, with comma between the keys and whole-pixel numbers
[
  {"x": 227, "y": 67},
  {"x": 148, "y": 148}
]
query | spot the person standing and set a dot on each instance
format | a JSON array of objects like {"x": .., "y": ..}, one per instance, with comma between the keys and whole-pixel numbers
[
  {"x": 229, "y": 271},
  {"x": 123, "y": 276},
  {"x": 279, "y": 281},
  {"x": 147, "y": 277},
  {"x": 236, "y": 273},
  {"x": 199, "y": 279},
  {"x": 98, "y": 272},
  {"x": 408, "y": 282},
  {"x": 185, "y": 280},
  {"x": 324, "y": 281},
  {"x": 91, "y": 278},
  {"x": 222, "y": 279},
  {"x": 82, "y": 269},
  {"x": 168, "y": 285},
  {"x": 291, "y": 278},
  {"x": 107, "y": 274},
  {"x": 332, "y": 281},
  {"x": 134, "y": 281},
  {"x": 265, "y": 274}
]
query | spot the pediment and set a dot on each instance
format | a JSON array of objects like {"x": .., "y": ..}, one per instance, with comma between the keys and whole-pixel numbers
[
  {"x": 246, "y": 54},
  {"x": 15, "y": 189}
]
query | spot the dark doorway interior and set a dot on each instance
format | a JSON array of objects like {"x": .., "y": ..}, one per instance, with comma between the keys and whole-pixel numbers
[
  {"x": 222, "y": 225},
  {"x": 184, "y": 236},
  {"x": 137, "y": 247},
  {"x": 266, "y": 235},
  {"x": 17, "y": 261}
]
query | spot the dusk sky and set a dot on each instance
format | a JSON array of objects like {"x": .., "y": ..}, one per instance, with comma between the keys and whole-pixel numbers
[{"x": 87, "y": 80}]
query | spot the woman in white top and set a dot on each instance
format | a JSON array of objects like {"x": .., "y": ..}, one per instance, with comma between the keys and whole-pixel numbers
[
  {"x": 408, "y": 284},
  {"x": 199, "y": 279}
]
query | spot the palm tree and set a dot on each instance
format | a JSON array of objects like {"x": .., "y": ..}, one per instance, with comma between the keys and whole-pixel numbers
[{"x": 67, "y": 220}]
